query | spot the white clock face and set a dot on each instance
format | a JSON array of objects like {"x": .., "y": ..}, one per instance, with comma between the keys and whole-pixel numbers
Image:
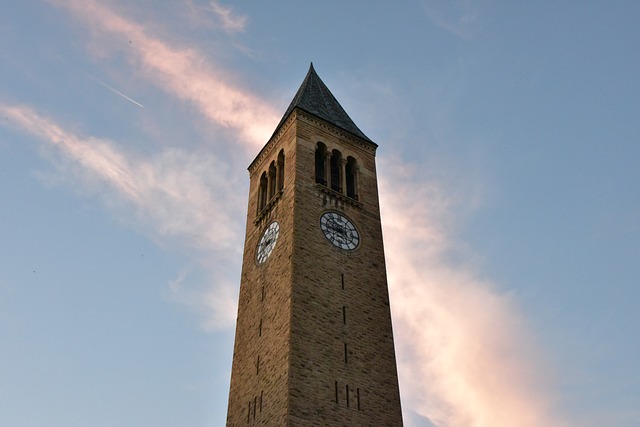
[
  {"x": 339, "y": 230},
  {"x": 267, "y": 242}
]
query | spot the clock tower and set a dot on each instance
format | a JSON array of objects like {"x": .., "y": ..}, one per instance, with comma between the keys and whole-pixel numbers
[{"x": 314, "y": 342}]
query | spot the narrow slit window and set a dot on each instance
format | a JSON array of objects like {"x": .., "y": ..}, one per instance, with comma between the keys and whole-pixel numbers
[
  {"x": 342, "y": 280},
  {"x": 336, "y": 391},
  {"x": 258, "y": 366},
  {"x": 260, "y": 328},
  {"x": 358, "y": 398},
  {"x": 249, "y": 413},
  {"x": 347, "y": 390},
  {"x": 344, "y": 315},
  {"x": 346, "y": 359},
  {"x": 254, "y": 407},
  {"x": 262, "y": 393}
]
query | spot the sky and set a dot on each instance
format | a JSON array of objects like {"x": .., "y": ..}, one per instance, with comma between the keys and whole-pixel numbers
[{"x": 508, "y": 161}]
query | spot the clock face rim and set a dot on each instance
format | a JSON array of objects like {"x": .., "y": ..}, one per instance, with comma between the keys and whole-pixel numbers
[
  {"x": 350, "y": 244},
  {"x": 265, "y": 247}
]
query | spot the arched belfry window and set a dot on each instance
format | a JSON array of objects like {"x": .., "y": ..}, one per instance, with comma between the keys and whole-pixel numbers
[
  {"x": 271, "y": 183},
  {"x": 321, "y": 160},
  {"x": 336, "y": 171},
  {"x": 351, "y": 172},
  {"x": 272, "y": 180},
  {"x": 262, "y": 192},
  {"x": 280, "y": 170}
]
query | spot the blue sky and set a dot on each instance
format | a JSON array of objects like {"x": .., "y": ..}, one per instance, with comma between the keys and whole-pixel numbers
[{"x": 508, "y": 168}]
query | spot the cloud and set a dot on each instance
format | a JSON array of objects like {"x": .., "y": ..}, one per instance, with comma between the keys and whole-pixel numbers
[
  {"x": 215, "y": 15},
  {"x": 465, "y": 356},
  {"x": 216, "y": 305},
  {"x": 175, "y": 194},
  {"x": 183, "y": 73},
  {"x": 457, "y": 17},
  {"x": 230, "y": 21},
  {"x": 180, "y": 191},
  {"x": 172, "y": 195}
]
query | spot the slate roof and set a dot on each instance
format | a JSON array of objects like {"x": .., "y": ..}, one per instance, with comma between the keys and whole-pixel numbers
[{"x": 315, "y": 98}]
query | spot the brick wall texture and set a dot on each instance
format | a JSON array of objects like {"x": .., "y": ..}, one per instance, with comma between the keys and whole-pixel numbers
[{"x": 314, "y": 343}]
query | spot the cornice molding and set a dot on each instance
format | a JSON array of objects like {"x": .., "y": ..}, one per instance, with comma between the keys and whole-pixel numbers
[
  {"x": 315, "y": 121},
  {"x": 268, "y": 147},
  {"x": 338, "y": 132}
]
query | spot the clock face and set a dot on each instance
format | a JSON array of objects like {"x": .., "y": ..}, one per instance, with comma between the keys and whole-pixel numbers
[
  {"x": 267, "y": 242},
  {"x": 339, "y": 230}
]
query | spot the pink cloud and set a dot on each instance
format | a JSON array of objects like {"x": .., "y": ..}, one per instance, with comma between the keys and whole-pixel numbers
[
  {"x": 466, "y": 358},
  {"x": 173, "y": 195},
  {"x": 177, "y": 190},
  {"x": 183, "y": 73}
]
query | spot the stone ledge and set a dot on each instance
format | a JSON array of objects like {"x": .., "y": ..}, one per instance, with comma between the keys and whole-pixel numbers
[
  {"x": 265, "y": 211},
  {"x": 339, "y": 196}
]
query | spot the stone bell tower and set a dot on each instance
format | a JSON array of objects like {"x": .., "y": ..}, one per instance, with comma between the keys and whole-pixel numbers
[{"x": 314, "y": 343}]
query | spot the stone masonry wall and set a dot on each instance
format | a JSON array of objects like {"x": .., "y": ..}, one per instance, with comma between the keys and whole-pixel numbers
[
  {"x": 259, "y": 381},
  {"x": 340, "y": 299},
  {"x": 314, "y": 343}
]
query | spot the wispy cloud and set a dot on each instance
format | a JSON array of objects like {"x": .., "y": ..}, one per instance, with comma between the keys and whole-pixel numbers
[
  {"x": 174, "y": 195},
  {"x": 179, "y": 191},
  {"x": 216, "y": 305},
  {"x": 182, "y": 72},
  {"x": 229, "y": 20},
  {"x": 458, "y": 17},
  {"x": 212, "y": 14},
  {"x": 466, "y": 358},
  {"x": 464, "y": 353}
]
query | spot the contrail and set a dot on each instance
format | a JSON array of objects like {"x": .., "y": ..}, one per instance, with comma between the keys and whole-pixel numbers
[{"x": 114, "y": 90}]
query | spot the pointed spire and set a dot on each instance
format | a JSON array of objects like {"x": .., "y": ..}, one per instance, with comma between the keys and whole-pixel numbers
[{"x": 315, "y": 98}]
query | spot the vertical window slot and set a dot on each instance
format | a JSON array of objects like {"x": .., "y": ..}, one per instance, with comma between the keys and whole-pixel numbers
[
  {"x": 347, "y": 389},
  {"x": 262, "y": 393},
  {"x": 342, "y": 279},
  {"x": 258, "y": 366},
  {"x": 358, "y": 397},
  {"x": 336, "y": 391},
  {"x": 344, "y": 315},
  {"x": 346, "y": 358},
  {"x": 260, "y": 328},
  {"x": 254, "y": 407}
]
